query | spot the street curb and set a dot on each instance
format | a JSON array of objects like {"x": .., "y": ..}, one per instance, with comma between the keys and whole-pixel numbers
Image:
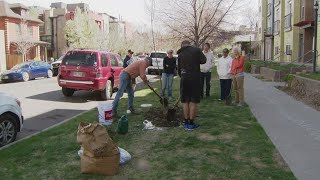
[
  {"x": 64, "y": 121},
  {"x": 46, "y": 129}
]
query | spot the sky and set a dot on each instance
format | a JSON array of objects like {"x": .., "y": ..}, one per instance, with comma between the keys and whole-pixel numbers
[{"x": 133, "y": 11}]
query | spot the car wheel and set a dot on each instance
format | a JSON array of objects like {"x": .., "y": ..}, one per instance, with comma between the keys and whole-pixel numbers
[
  {"x": 8, "y": 129},
  {"x": 49, "y": 73},
  {"x": 67, "y": 92},
  {"x": 107, "y": 93},
  {"x": 25, "y": 76}
]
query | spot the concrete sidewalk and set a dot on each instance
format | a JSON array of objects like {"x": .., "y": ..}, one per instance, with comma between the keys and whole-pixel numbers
[{"x": 292, "y": 126}]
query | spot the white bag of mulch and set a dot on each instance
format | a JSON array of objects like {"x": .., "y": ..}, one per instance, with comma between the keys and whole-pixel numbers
[{"x": 124, "y": 156}]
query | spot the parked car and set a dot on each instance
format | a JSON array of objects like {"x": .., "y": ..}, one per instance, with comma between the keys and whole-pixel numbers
[
  {"x": 157, "y": 62},
  {"x": 11, "y": 119},
  {"x": 26, "y": 71},
  {"x": 90, "y": 70},
  {"x": 55, "y": 66}
]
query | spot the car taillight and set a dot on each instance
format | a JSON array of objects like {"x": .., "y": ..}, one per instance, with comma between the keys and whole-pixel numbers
[
  {"x": 99, "y": 73},
  {"x": 18, "y": 102}
]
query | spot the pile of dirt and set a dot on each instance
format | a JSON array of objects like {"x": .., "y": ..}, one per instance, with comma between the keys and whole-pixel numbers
[{"x": 159, "y": 118}]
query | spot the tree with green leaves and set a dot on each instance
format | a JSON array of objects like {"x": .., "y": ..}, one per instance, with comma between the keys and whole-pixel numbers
[{"x": 83, "y": 32}]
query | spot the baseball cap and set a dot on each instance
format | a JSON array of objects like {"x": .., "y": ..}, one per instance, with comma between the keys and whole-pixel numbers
[{"x": 131, "y": 52}]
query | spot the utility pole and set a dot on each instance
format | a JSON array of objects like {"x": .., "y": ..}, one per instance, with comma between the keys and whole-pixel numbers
[
  {"x": 272, "y": 31},
  {"x": 250, "y": 49},
  {"x": 315, "y": 54}
]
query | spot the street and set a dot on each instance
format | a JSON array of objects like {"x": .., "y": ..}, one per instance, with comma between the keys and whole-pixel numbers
[{"x": 44, "y": 105}]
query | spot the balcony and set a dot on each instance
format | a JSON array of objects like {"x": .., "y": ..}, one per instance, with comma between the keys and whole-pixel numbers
[
  {"x": 288, "y": 22},
  {"x": 277, "y": 27},
  {"x": 269, "y": 9}
]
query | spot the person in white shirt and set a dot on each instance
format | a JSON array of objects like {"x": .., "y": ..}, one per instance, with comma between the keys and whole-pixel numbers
[
  {"x": 206, "y": 70},
  {"x": 224, "y": 71}
]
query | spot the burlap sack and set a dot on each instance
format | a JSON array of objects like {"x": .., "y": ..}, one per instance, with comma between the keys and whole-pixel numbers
[
  {"x": 96, "y": 141},
  {"x": 107, "y": 166}
]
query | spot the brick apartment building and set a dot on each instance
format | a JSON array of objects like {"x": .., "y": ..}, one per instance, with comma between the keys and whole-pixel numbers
[{"x": 11, "y": 17}]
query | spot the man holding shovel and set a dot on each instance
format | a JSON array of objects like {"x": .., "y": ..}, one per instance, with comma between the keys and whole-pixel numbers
[
  {"x": 134, "y": 70},
  {"x": 189, "y": 60}
]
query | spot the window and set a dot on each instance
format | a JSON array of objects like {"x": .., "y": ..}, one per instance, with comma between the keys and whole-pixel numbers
[
  {"x": 276, "y": 50},
  {"x": 30, "y": 31},
  {"x": 158, "y": 55},
  {"x": 302, "y": 9},
  {"x": 80, "y": 59},
  {"x": 104, "y": 60},
  {"x": 113, "y": 60},
  {"x": 18, "y": 29},
  {"x": 288, "y": 50}
]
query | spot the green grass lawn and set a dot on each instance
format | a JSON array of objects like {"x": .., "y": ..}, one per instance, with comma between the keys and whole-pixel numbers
[
  {"x": 230, "y": 144},
  {"x": 283, "y": 67},
  {"x": 315, "y": 76}
]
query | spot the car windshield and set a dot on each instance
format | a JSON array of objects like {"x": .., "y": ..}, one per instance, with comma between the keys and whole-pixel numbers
[
  {"x": 80, "y": 59},
  {"x": 20, "y": 66},
  {"x": 158, "y": 55}
]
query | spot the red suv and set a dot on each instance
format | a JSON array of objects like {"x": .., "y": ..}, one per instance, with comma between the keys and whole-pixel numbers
[{"x": 90, "y": 70}]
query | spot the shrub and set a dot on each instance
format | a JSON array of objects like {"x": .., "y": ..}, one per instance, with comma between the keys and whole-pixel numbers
[
  {"x": 247, "y": 67},
  {"x": 288, "y": 79}
]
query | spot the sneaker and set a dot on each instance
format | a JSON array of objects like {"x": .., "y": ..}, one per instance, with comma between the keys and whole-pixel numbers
[
  {"x": 132, "y": 111},
  {"x": 191, "y": 127},
  {"x": 185, "y": 125}
]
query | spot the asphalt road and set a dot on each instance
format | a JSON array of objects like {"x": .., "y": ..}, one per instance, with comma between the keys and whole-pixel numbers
[{"x": 44, "y": 105}]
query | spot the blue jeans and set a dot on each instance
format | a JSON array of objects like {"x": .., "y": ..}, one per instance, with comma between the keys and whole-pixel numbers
[
  {"x": 125, "y": 83},
  {"x": 167, "y": 80}
]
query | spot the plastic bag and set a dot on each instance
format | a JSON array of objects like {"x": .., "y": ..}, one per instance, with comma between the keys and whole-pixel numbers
[
  {"x": 124, "y": 156},
  {"x": 149, "y": 126}
]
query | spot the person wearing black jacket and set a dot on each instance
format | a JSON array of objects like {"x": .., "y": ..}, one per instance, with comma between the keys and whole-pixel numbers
[
  {"x": 128, "y": 59},
  {"x": 169, "y": 66},
  {"x": 189, "y": 60},
  {"x": 126, "y": 62}
]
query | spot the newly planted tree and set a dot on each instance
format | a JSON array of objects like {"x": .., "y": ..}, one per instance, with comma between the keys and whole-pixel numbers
[{"x": 24, "y": 41}]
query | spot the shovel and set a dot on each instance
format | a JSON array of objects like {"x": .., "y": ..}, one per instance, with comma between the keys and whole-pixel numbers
[
  {"x": 163, "y": 101},
  {"x": 171, "y": 115}
]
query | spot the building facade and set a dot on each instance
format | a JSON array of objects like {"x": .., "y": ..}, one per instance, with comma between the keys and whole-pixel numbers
[
  {"x": 16, "y": 25},
  {"x": 55, "y": 20},
  {"x": 278, "y": 30},
  {"x": 291, "y": 33},
  {"x": 287, "y": 26},
  {"x": 262, "y": 22}
]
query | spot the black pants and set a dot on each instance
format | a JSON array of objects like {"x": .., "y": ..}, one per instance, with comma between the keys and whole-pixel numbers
[
  {"x": 205, "y": 79},
  {"x": 225, "y": 86}
]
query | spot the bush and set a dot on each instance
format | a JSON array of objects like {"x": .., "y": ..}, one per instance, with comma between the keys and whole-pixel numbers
[
  {"x": 247, "y": 67},
  {"x": 288, "y": 79}
]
